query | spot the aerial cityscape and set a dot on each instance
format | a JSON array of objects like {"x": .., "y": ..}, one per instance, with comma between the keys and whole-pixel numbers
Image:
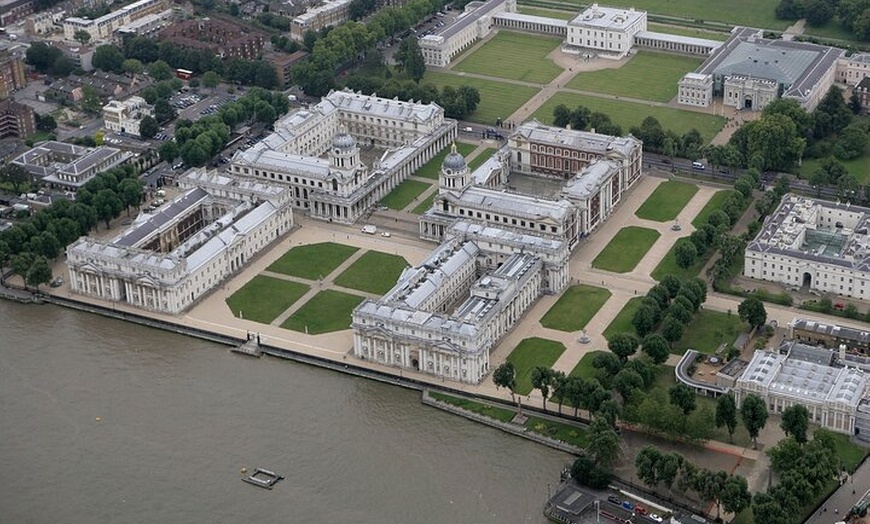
[{"x": 619, "y": 254}]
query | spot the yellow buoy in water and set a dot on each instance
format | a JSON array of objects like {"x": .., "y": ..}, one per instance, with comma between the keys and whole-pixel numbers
[
  {"x": 244, "y": 470},
  {"x": 98, "y": 419}
]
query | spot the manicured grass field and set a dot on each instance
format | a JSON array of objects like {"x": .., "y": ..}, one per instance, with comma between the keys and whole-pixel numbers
[
  {"x": 530, "y": 353},
  {"x": 264, "y": 298},
  {"x": 327, "y": 311},
  {"x": 497, "y": 99},
  {"x": 688, "y": 31},
  {"x": 575, "y": 308},
  {"x": 859, "y": 167},
  {"x": 425, "y": 204},
  {"x": 516, "y": 56},
  {"x": 625, "y": 250},
  {"x": 737, "y": 12},
  {"x": 547, "y": 13},
  {"x": 584, "y": 368},
  {"x": 832, "y": 30},
  {"x": 666, "y": 202},
  {"x": 312, "y": 261},
  {"x": 628, "y": 114},
  {"x": 404, "y": 194},
  {"x": 668, "y": 265},
  {"x": 481, "y": 158},
  {"x": 622, "y": 322},
  {"x": 708, "y": 330},
  {"x": 374, "y": 272},
  {"x": 504, "y": 415},
  {"x": 713, "y": 204},
  {"x": 647, "y": 76},
  {"x": 432, "y": 168},
  {"x": 850, "y": 454}
]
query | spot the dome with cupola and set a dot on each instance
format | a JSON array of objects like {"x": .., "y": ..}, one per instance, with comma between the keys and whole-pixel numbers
[{"x": 454, "y": 162}]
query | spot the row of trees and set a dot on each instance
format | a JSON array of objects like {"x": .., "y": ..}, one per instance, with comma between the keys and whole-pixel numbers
[
  {"x": 670, "y": 469},
  {"x": 853, "y": 15},
  {"x": 197, "y": 142},
  {"x": 48, "y": 60},
  {"x": 668, "y": 307},
  {"x": 30, "y": 244},
  {"x": 581, "y": 118}
]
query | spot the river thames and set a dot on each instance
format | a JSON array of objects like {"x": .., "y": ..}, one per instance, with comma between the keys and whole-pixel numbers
[{"x": 105, "y": 421}]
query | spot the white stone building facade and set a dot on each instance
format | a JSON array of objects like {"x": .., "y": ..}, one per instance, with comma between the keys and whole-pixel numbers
[
  {"x": 476, "y": 22},
  {"x": 814, "y": 244},
  {"x": 695, "y": 90},
  {"x": 125, "y": 116},
  {"x": 607, "y": 31},
  {"x": 330, "y": 13},
  {"x": 103, "y": 27},
  {"x": 340, "y": 187},
  {"x": 170, "y": 258}
]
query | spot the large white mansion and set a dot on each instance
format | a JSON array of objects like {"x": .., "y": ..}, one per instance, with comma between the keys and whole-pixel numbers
[
  {"x": 171, "y": 257},
  {"x": 340, "y": 187},
  {"x": 816, "y": 244},
  {"x": 500, "y": 250}
]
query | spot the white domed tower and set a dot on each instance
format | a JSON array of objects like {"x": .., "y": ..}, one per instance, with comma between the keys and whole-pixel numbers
[
  {"x": 344, "y": 154},
  {"x": 454, "y": 173}
]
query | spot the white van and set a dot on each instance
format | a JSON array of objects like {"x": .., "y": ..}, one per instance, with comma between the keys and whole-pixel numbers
[
  {"x": 370, "y": 230},
  {"x": 698, "y": 166}
]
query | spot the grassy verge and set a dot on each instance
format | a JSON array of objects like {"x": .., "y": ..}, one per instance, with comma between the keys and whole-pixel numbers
[
  {"x": 626, "y": 249},
  {"x": 622, "y": 322},
  {"x": 432, "y": 168},
  {"x": 668, "y": 264},
  {"x": 501, "y": 414},
  {"x": 575, "y": 308},
  {"x": 497, "y": 99},
  {"x": 374, "y": 272},
  {"x": 666, "y": 202},
  {"x": 264, "y": 298},
  {"x": 425, "y": 204},
  {"x": 312, "y": 261},
  {"x": 646, "y": 76},
  {"x": 327, "y": 311},
  {"x": 715, "y": 202},
  {"x": 709, "y": 330},
  {"x": 528, "y": 58},
  {"x": 530, "y": 353},
  {"x": 584, "y": 368},
  {"x": 404, "y": 194}
]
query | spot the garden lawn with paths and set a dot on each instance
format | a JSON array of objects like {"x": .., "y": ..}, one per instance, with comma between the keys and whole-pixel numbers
[
  {"x": 666, "y": 202},
  {"x": 626, "y": 249},
  {"x": 668, "y": 264},
  {"x": 374, "y": 272},
  {"x": 715, "y": 203},
  {"x": 530, "y": 353},
  {"x": 708, "y": 330},
  {"x": 404, "y": 194},
  {"x": 432, "y": 168},
  {"x": 628, "y": 114},
  {"x": 515, "y": 56},
  {"x": 622, "y": 322},
  {"x": 497, "y": 99},
  {"x": 327, "y": 311},
  {"x": 575, "y": 308},
  {"x": 263, "y": 298},
  {"x": 312, "y": 261},
  {"x": 647, "y": 76}
]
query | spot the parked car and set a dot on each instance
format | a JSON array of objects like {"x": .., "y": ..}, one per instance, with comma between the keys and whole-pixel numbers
[
  {"x": 628, "y": 505},
  {"x": 640, "y": 510},
  {"x": 655, "y": 518},
  {"x": 614, "y": 499}
]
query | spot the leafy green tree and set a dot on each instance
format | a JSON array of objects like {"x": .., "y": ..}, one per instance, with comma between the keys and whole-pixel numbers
[
  {"x": 672, "y": 283},
  {"x": 726, "y": 414},
  {"x": 753, "y": 411},
  {"x": 90, "y": 102},
  {"x": 683, "y": 397},
  {"x": 645, "y": 318},
  {"x": 148, "y": 127},
  {"x": 623, "y": 345},
  {"x": 752, "y": 311},
  {"x": 603, "y": 443},
  {"x": 768, "y": 510},
  {"x": 647, "y": 465},
  {"x": 130, "y": 192},
  {"x": 15, "y": 175},
  {"x": 107, "y": 205},
  {"x": 680, "y": 312},
  {"x": 672, "y": 329},
  {"x": 795, "y": 421},
  {"x": 168, "y": 151},
  {"x": 505, "y": 376},
  {"x": 160, "y": 70},
  {"x": 409, "y": 59},
  {"x": 163, "y": 111},
  {"x": 542, "y": 380},
  {"x": 561, "y": 116},
  {"x": 82, "y": 36},
  {"x": 608, "y": 362},
  {"x": 108, "y": 58},
  {"x": 656, "y": 348},
  {"x": 584, "y": 471},
  {"x": 851, "y": 142},
  {"x": 211, "y": 79},
  {"x": 38, "y": 273},
  {"x": 627, "y": 382}
]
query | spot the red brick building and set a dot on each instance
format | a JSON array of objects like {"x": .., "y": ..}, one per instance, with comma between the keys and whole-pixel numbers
[
  {"x": 11, "y": 74},
  {"x": 225, "y": 39},
  {"x": 16, "y": 120}
]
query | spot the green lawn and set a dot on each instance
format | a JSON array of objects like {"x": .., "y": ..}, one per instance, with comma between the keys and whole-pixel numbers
[
  {"x": 497, "y": 99},
  {"x": 264, "y": 298},
  {"x": 666, "y": 202},
  {"x": 628, "y": 114},
  {"x": 708, "y": 330},
  {"x": 504, "y": 415},
  {"x": 859, "y": 167},
  {"x": 833, "y": 30},
  {"x": 575, "y": 308},
  {"x": 424, "y": 206},
  {"x": 546, "y": 13},
  {"x": 515, "y": 56},
  {"x": 432, "y": 168},
  {"x": 327, "y": 311},
  {"x": 735, "y": 12},
  {"x": 647, "y": 76},
  {"x": 584, "y": 368},
  {"x": 850, "y": 454},
  {"x": 668, "y": 265},
  {"x": 312, "y": 261},
  {"x": 481, "y": 158},
  {"x": 404, "y": 194},
  {"x": 688, "y": 31},
  {"x": 713, "y": 204},
  {"x": 626, "y": 249},
  {"x": 622, "y": 322},
  {"x": 374, "y": 272},
  {"x": 530, "y": 353}
]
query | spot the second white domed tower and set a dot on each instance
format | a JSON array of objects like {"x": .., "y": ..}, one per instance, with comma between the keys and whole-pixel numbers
[{"x": 454, "y": 176}]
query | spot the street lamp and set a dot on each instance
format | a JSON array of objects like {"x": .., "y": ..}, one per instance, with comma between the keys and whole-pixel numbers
[{"x": 597, "y": 511}]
